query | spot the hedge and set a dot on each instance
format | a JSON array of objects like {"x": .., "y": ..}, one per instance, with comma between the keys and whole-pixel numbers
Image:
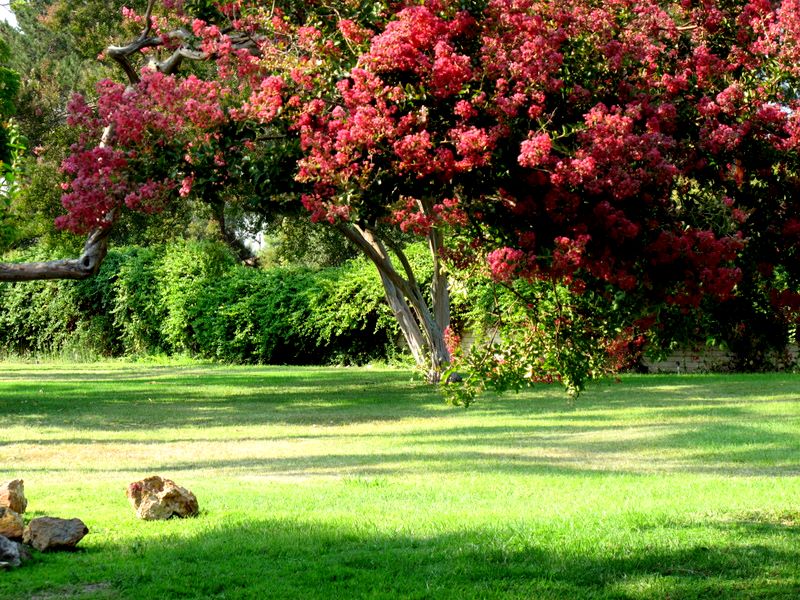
[{"x": 194, "y": 298}]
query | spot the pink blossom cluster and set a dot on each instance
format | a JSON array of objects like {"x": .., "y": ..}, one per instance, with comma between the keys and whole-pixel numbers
[
  {"x": 705, "y": 259},
  {"x": 155, "y": 113},
  {"x": 148, "y": 197},
  {"x": 579, "y": 132},
  {"x": 451, "y": 212},
  {"x": 265, "y": 101},
  {"x": 419, "y": 41},
  {"x": 324, "y": 209},
  {"x": 569, "y": 254},
  {"x": 621, "y": 155},
  {"x": 97, "y": 183},
  {"x": 410, "y": 216},
  {"x": 352, "y": 31},
  {"x": 160, "y": 106},
  {"x": 535, "y": 150},
  {"x": 452, "y": 340},
  {"x": 506, "y": 263}
]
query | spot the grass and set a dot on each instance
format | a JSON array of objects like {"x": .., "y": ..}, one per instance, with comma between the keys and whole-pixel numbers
[{"x": 360, "y": 483}]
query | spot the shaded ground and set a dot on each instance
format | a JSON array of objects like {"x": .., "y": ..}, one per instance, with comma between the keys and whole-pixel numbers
[{"x": 361, "y": 483}]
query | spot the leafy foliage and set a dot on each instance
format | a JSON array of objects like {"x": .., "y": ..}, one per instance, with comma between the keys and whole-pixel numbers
[
  {"x": 11, "y": 144},
  {"x": 587, "y": 156},
  {"x": 524, "y": 333},
  {"x": 193, "y": 298}
]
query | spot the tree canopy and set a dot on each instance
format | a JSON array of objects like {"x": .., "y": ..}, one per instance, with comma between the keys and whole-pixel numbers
[{"x": 592, "y": 158}]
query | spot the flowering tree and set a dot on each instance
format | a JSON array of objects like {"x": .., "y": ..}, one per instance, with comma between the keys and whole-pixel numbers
[{"x": 646, "y": 150}]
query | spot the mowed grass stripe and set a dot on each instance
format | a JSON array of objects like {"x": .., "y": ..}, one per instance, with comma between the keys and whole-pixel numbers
[{"x": 358, "y": 483}]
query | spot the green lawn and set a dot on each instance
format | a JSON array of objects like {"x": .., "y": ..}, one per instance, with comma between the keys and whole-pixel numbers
[{"x": 354, "y": 483}]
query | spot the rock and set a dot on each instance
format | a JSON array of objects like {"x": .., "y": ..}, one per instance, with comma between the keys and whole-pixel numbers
[
  {"x": 10, "y": 555},
  {"x": 24, "y": 552},
  {"x": 156, "y": 499},
  {"x": 50, "y": 533},
  {"x": 12, "y": 495},
  {"x": 454, "y": 378},
  {"x": 11, "y": 524}
]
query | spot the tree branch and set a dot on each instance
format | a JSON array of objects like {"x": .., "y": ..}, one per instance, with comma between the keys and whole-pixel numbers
[
  {"x": 148, "y": 23},
  {"x": 94, "y": 251},
  {"x": 122, "y": 54},
  {"x": 96, "y": 245}
]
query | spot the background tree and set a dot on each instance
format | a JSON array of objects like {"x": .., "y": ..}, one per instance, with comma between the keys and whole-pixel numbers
[
  {"x": 10, "y": 144},
  {"x": 56, "y": 47}
]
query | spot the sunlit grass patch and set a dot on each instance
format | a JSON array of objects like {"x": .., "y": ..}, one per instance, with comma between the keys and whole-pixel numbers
[{"x": 319, "y": 483}]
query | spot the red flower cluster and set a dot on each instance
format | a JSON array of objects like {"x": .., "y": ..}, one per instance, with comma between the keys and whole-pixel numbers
[{"x": 624, "y": 143}]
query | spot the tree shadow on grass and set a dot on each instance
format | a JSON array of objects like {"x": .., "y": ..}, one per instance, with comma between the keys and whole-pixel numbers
[
  {"x": 406, "y": 461},
  {"x": 721, "y": 449},
  {"x": 295, "y": 559},
  {"x": 224, "y": 396},
  {"x": 709, "y": 433},
  {"x": 131, "y": 401}
]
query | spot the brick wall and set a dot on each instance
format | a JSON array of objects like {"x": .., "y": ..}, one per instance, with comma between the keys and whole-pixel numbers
[{"x": 702, "y": 361}]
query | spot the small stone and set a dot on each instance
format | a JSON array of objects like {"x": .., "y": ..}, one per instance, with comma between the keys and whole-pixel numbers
[
  {"x": 51, "y": 533},
  {"x": 156, "y": 499},
  {"x": 24, "y": 552},
  {"x": 9, "y": 553},
  {"x": 11, "y": 524},
  {"x": 12, "y": 495},
  {"x": 454, "y": 378}
]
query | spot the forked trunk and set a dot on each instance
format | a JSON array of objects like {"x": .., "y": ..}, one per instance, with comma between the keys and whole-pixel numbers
[
  {"x": 427, "y": 347},
  {"x": 422, "y": 326}
]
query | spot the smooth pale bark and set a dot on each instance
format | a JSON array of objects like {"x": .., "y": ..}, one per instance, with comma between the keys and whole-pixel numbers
[
  {"x": 94, "y": 251},
  {"x": 422, "y": 326}
]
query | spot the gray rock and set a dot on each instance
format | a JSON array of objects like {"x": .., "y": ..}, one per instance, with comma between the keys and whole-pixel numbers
[
  {"x": 156, "y": 499},
  {"x": 12, "y": 495},
  {"x": 454, "y": 378},
  {"x": 24, "y": 552},
  {"x": 51, "y": 533},
  {"x": 9, "y": 553}
]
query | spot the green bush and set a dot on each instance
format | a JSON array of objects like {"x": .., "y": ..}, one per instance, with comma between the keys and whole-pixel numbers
[
  {"x": 186, "y": 272},
  {"x": 255, "y": 316},
  {"x": 294, "y": 315},
  {"x": 41, "y": 317},
  {"x": 135, "y": 304},
  {"x": 348, "y": 317},
  {"x": 194, "y": 298}
]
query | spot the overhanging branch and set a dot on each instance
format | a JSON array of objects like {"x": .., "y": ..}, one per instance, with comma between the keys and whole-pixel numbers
[
  {"x": 94, "y": 251},
  {"x": 96, "y": 245}
]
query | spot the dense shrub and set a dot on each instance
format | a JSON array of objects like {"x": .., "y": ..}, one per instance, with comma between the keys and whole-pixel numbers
[
  {"x": 136, "y": 305},
  {"x": 193, "y": 297},
  {"x": 187, "y": 271},
  {"x": 44, "y": 317},
  {"x": 255, "y": 316}
]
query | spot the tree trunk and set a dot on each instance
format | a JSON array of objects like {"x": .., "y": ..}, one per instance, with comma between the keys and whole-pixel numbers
[
  {"x": 440, "y": 296},
  {"x": 405, "y": 319},
  {"x": 422, "y": 326},
  {"x": 237, "y": 246}
]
